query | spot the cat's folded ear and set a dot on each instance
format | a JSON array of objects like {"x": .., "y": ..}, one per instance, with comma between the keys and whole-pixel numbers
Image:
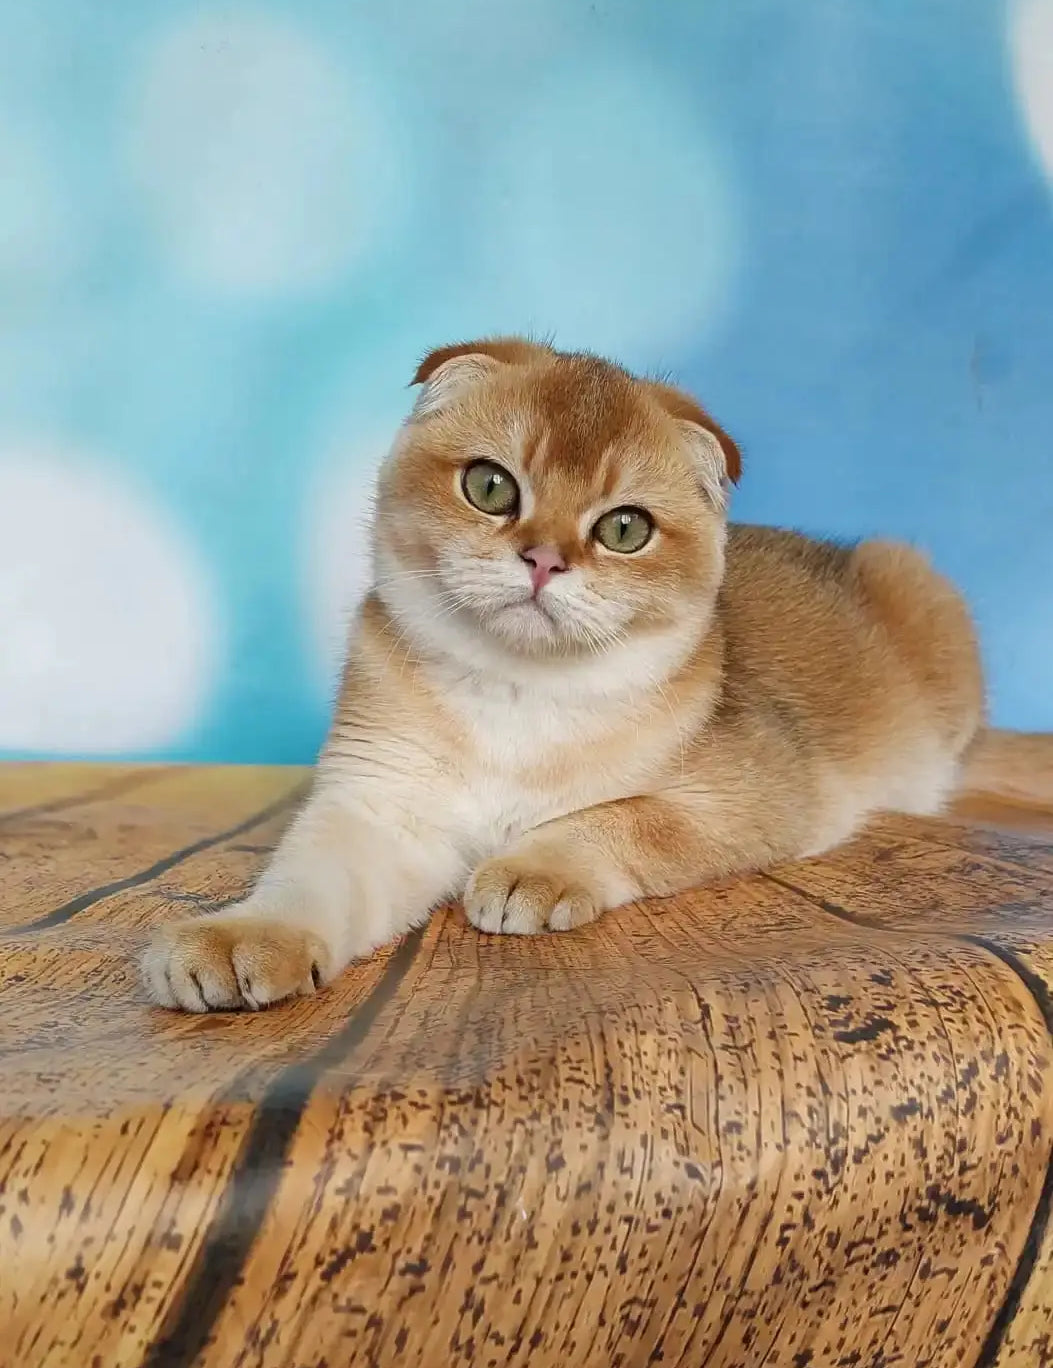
[
  {"x": 717, "y": 454},
  {"x": 448, "y": 372}
]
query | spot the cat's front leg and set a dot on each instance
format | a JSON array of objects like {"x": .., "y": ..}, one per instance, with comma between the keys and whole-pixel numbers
[
  {"x": 568, "y": 871},
  {"x": 560, "y": 875},
  {"x": 349, "y": 876}
]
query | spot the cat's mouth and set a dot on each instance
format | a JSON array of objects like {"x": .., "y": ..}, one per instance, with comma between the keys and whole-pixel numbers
[
  {"x": 526, "y": 621},
  {"x": 533, "y": 608},
  {"x": 529, "y": 624}
]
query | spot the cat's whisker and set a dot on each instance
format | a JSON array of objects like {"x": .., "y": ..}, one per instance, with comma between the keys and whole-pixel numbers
[
  {"x": 400, "y": 576},
  {"x": 401, "y": 634}
]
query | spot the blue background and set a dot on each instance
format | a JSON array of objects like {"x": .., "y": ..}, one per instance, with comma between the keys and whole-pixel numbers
[{"x": 227, "y": 234}]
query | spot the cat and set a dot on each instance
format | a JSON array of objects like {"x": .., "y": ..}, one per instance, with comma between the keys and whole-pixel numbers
[{"x": 574, "y": 684}]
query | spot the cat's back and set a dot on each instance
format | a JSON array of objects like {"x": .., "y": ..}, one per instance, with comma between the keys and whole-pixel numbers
[
  {"x": 754, "y": 549},
  {"x": 798, "y": 626},
  {"x": 853, "y": 636},
  {"x": 783, "y": 589}
]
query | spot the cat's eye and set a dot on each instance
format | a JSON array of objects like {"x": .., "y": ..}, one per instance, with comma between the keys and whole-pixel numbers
[
  {"x": 624, "y": 529},
  {"x": 490, "y": 488}
]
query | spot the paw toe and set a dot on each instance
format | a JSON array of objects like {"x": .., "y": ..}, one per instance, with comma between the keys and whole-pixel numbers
[
  {"x": 573, "y": 909},
  {"x": 529, "y": 904}
]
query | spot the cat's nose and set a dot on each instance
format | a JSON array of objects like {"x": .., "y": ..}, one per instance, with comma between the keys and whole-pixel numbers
[{"x": 544, "y": 562}]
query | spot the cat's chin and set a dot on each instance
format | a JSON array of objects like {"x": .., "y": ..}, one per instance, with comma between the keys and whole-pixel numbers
[{"x": 527, "y": 625}]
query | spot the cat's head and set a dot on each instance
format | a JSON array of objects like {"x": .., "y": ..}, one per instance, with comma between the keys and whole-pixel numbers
[{"x": 550, "y": 504}]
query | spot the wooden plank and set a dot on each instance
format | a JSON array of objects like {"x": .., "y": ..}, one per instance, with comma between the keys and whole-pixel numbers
[
  {"x": 799, "y": 1121},
  {"x": 28, "y": 790},
  {"x": 131, "y": 840},
  {"x": 732, "y": 1167},
  {"x": 1022, "y": 1333},
  {"x": 889, "y": 878},
  {"x": 994, "y": 888},
  {"x": 1010, "y": 835}
]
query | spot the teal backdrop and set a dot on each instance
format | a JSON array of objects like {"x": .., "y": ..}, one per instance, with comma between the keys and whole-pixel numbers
[{"x": 227, "y": 234}]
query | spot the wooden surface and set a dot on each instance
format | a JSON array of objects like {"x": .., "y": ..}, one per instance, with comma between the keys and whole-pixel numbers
[{"x": 801, "y": 1121}]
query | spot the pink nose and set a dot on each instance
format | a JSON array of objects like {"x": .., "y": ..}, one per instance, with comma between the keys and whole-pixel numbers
[{"x": 544, "y": 562}]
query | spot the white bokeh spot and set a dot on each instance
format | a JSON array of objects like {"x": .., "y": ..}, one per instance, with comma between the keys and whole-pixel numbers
[
  {"x": 608, "y": 216},
  {"x": 1031, "y": 47},
  {"x": 265, "y": 171},
  {"x": 338, "y": 567},
  {"x": 108, "y": 630}
]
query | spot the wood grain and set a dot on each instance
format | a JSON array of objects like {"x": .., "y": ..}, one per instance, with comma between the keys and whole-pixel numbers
[{"x": 799, "y": 1121}]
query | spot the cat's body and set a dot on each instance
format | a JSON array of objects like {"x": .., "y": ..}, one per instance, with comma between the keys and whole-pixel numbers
[{"x": 552, "y": 726}]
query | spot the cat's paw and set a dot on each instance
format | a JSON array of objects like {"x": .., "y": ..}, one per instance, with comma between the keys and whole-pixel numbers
[
  {"x": 520, "y": 895},
  {"x": 228, "y": 963}
]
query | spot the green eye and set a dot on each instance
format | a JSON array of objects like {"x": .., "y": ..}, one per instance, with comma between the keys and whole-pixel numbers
[
  {"x": 624, "y": 529},
  {"x": 490, "y": 488}
]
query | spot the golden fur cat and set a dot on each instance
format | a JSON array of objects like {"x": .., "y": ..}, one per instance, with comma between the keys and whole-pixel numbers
[{"x": 574, "y": 685}]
